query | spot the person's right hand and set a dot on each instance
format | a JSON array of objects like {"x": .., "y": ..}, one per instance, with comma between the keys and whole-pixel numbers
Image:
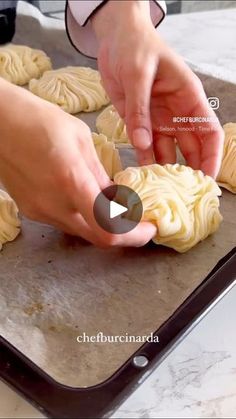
[
  {"x": 152, "y": 87},
  {"x": 50, "y": 168}
]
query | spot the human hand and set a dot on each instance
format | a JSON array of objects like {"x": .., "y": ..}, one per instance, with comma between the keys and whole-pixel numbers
[
  {"x": 149, "y": 84},
  {"x": 50, "y": 168}
]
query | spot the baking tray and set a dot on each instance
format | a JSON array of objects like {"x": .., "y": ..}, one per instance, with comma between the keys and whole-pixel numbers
[
  {"x": 60, "y": 401},
  {"x": 54, "y": 287}
]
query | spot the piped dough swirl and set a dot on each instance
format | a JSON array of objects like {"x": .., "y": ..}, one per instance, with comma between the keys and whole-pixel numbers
[
  {"x": 107, "y": 154},
  {"x": 74, "y": 89},
  {"x": 227, "y": 175},
  {"x": 181, "y": 202},
  {"x": 9, "y": 221},
  {"x": 19, "y": 64},
  {"x": 110, "y": 124}
]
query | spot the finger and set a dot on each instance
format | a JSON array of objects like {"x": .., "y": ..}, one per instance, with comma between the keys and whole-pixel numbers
[
  {"x": 212, "y": 151},
  {"x": 211, "y": 139},
  {"x": 164, "y": 148},
  {"x": 75, "y": 225},
  {"x": 116, "y": 95},
  {"x": 96, "y": 166},
  {"x": 113, "y": 88},
  {"x": 139, "y": 236},
  {"x": 83, "y": 189},
  {"x": 209, "y": 132},
  {"x": 88, "y": 150},
  {"x": 79, "y": 227},
  {"x": 145, "y": 157},
  {"x": 138, "y": 87},
  {"x": 190, "y": 147},
  {"x": 89, "y": 190}
]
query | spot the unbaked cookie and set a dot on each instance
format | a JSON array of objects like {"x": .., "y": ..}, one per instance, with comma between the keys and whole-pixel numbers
[
  {"x": 19, "y": 64},
  {"x": 110, "y": 124},
  {"x": 227, "y": 175},
  {"x": 107, "y": 154},
  {"x": 74, "y": 89},
  {"x": 9, "y": 221},
  {"x": 183, "y": 203}
]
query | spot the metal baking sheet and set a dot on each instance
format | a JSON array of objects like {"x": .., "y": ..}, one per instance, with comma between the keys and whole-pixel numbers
[{"x": 54, "y": 287}]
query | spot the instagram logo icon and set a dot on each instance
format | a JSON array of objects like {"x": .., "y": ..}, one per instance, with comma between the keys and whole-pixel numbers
[{"x": 214, "y": 102}]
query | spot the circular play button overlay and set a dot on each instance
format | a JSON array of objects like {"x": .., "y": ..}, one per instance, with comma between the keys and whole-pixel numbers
[{"x": 118, "y": 209}]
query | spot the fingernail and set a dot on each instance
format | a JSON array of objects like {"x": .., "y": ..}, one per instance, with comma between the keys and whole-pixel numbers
[{"x": 141, "y": 138}]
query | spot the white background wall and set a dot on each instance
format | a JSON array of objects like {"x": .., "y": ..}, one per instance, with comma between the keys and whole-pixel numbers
[
  {"x": 195, "y": 6},
  {"x": 48, "y": 6}
]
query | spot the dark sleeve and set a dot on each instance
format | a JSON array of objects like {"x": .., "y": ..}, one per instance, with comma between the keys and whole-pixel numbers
[{"x": 7, "y": 20}]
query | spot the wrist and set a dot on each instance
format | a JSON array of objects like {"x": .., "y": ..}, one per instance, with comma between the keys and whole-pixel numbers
[{"x": 122, "y": 15}]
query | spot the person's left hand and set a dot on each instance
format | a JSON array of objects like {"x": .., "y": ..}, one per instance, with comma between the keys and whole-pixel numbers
[{"x": 149, "y": 84}]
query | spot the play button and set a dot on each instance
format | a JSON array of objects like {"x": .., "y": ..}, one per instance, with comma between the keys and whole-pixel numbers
[{"x": 118, "y": 209}]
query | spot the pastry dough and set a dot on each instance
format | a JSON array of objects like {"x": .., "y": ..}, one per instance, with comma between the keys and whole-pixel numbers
[
  {"x": 107, "y": 154},
  {"x": 183, "y": 203},
  {"x": 9, "y": 221},
  {"x": 19, "y": 64},
  {"x": 227, "y": 175},
  {"x": 110, "y": 124},
  {"x": 74, "y": 89}
]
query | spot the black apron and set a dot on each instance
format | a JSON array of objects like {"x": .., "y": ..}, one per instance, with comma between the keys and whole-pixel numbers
[{"x": 8, "y": 19}]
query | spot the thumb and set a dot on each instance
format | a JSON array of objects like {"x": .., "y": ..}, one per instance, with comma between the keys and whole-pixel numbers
[{"x": 137, "y": 110}]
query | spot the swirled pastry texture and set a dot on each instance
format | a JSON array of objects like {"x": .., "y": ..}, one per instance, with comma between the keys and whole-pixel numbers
[
  {"x": 227, "y": 175},
  {"x": 74, "y": 89},
  {"x": 19, "y": 64},
  {"x": 9, "y": 221},
  {"x": 110, "y": 124},
  {"x": 107, "y": 154},
  {"x": 183, "y": 203}
]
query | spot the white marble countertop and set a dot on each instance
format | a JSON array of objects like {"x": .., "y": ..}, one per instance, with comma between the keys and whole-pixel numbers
[
  {"x": 206, "y": 40},
  {"x": 198, "y": 379}
]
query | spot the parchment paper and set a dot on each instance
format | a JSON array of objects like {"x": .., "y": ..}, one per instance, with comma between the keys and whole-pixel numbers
[{"x": 54, "y": 287}]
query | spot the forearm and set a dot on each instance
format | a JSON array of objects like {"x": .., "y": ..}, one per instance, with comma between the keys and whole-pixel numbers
[
  {"x": 123, "y": 15},
  {"x": 10, "y": 103},
  {"x": 16, "y": 97},
  {"x": 22, "y": 102},
  {"x": 19, "y": 110}
]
